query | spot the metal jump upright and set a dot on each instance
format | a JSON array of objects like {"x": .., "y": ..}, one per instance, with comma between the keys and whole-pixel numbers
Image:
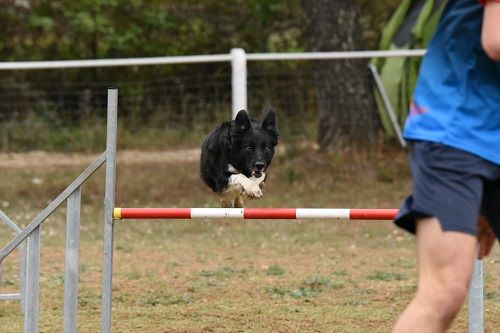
[
  {"x": 31, "y": 233},
  {"x": 109, "y": 203}
]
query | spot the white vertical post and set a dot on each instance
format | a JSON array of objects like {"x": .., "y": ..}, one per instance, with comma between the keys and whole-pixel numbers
[
  {"x": 475, "y": 297},
  {"x": 71, "y": 274},
  {"x": 32, "y": 282},
  {"x": 22, "y": 275},
  {"x": 109, "y": 204},
  {"x": 239, "y": 80}
]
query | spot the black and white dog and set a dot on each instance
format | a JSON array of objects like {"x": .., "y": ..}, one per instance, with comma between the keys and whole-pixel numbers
[{"x": 236, "y": 155}]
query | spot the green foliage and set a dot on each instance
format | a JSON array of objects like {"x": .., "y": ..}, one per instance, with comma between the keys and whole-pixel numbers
[
  {"x": 275, "y": 270},
  {"x": 7, "y": 282},
  {"x": 89, "y": 299},
  {"x": 134, "y": 275},
  {"x": 62, "y": 101},
  {"x": 310, "y": 287},
  {"x": 223, "y": 271},
  {"x": 399, "y": 75},
  {"x": 340, "y": 273},
  {"x": 385, "y": 276},
  {"x": 64, "y": 29},
  {"x": 161, "y": 299},
  {"x": 492, "y": 295},
  {"x": 374, "y": 18}
]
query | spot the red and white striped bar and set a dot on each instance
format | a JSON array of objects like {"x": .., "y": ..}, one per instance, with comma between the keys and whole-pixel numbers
[{"x": 254, "y": 213}]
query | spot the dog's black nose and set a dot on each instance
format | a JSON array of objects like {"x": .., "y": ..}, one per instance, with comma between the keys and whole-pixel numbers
[{"x": 259, "y": 165}]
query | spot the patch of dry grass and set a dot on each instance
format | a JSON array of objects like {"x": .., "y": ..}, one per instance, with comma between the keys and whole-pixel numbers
[{"x": 233, "y": 276}]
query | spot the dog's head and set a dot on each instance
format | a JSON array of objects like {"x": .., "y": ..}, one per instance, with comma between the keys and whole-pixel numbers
[{"x": 253, "y": 143}]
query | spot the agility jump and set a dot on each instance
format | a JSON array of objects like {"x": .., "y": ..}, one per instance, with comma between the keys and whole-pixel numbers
[
  {"x": 114, "y": 214},
  {"x": 254, "y": 213}
]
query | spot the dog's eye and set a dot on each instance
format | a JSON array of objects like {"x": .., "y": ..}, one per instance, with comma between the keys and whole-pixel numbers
[
  {"x": 247, "y": 148},
  {"x": 267, "y": 149}
]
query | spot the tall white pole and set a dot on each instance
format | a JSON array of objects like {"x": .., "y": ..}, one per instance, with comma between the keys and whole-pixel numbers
[
  {"x": 239, "y": 80},
  {"x": 72, "y": 257},
  {"x": 32, "y": 282},
  {"x": 476, "y": 308},
  {"x": 109, "y": 203}
]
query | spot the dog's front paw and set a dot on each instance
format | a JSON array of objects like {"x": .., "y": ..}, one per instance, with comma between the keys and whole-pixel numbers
[
  {"x": 253, "y": 191},
  {"x": 254, "y": 186}
]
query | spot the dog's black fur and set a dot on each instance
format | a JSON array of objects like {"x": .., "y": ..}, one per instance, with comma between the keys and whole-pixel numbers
[{"x": 235, "y": 155}]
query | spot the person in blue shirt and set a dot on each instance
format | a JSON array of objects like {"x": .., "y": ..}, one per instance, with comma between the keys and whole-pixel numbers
[{"x": 453, "y": 128}]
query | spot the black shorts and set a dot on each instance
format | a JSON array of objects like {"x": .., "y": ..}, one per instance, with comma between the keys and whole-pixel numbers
[{"x": 452, "y": 185}]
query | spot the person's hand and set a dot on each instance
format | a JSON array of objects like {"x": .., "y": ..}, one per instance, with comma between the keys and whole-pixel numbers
[{"x": 485, "y": 237}]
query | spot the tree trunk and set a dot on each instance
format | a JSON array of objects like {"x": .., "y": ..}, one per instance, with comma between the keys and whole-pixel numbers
[{"x": 345, "y": 102}]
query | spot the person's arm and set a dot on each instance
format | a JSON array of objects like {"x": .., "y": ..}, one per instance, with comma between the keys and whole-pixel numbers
[
  {"x": 490, "y": 36},
  {"x": 485, "y": 237}
]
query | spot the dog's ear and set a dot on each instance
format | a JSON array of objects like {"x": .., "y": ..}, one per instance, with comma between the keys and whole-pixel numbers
[
  {"x": 269, "y": 122},
  {"x": 242, "y": 121}
]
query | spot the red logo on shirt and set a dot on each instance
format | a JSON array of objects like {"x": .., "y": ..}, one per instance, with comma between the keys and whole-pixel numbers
[{"x": 416, "y": 110}]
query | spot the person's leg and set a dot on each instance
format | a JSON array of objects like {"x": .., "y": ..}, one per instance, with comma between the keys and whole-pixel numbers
[{"x": 445, "y": 262}]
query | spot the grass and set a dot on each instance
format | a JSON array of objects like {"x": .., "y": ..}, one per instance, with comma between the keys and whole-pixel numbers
[
  {"x": 89, "y": 135},
  {"x": 310, "y": 287},
  {"x": 385, "y": 276},
  {"x": 275, "y": 270},
  {"x": 232, "y": 275},
  {"x": 48, "y": 132}
]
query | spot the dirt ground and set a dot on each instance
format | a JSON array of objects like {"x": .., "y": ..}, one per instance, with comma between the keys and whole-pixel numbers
[
  {"x": 41, "y": 159},
  {"x": 226, "y": 275}
]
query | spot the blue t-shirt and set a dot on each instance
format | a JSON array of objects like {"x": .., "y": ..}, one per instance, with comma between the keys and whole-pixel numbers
[{"x": 457, "y": 97}]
